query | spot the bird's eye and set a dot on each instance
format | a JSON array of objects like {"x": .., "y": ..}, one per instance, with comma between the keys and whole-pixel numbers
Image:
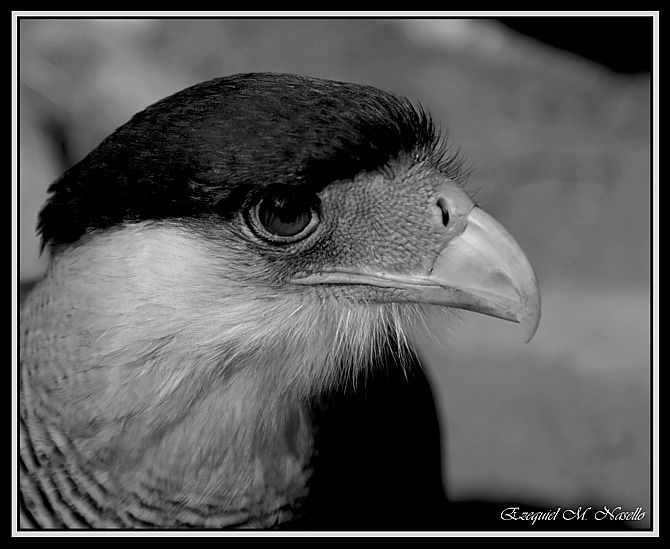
[{"x": 284, "y": 217}]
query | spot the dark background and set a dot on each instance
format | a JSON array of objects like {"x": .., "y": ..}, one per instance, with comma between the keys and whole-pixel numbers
[
  {"x": 560, "y": 150},
  {"x": 622, "y": 44}
]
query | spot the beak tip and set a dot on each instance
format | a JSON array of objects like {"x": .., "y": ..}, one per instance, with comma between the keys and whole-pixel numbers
[
  {"x": 530, "y": 329},
  {"x": 530, "y": 319}
]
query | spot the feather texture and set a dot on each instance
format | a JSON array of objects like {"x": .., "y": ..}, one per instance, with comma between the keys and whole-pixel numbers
[{"x": 190, "y": 400}]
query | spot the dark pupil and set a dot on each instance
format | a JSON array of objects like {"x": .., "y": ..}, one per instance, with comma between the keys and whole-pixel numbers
[{"x": 283, "y": 216}]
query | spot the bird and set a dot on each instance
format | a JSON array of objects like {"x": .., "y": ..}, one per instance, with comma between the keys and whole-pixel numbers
[{"x": 224, "y": 337}]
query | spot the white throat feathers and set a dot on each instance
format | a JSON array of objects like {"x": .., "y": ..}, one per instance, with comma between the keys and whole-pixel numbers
[{"x": 161, "y": 367}]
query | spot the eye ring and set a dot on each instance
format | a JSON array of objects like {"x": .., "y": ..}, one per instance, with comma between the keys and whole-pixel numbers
[{"x": 284, "y": 217}]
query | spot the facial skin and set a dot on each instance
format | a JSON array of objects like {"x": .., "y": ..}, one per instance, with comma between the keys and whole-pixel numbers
[{"x": 407, "y": 235}]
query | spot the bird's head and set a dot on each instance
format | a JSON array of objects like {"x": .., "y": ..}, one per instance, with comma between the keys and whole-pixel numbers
[
  {"x": 238, "y": 248},
  {"x": 289, "y": 217}
]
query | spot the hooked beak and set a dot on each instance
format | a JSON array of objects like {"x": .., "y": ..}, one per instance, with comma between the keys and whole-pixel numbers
[{"x": 482, "y": 269}]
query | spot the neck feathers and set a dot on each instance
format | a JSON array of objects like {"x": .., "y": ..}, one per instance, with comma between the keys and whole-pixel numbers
[{"x": 186, "y": 389}]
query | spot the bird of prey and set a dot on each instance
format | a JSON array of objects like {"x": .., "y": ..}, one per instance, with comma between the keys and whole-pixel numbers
[{"x": 224, "y": 335}]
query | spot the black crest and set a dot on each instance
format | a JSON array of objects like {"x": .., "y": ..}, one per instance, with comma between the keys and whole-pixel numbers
[{"x": 192, "y": 152}]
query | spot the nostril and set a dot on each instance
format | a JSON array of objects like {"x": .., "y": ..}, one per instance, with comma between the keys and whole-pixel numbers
[{"x": 442, "y": 204}]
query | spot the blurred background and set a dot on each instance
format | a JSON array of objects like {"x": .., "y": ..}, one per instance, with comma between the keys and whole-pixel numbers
[{"x": 560, "y": 150}]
